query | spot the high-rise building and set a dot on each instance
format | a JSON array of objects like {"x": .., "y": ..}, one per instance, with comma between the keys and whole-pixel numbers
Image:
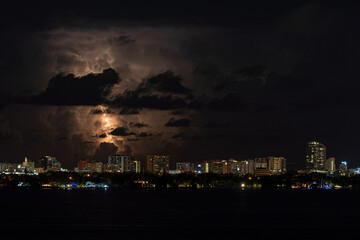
[
  {"x": 315, "y": 156},
  {"x": 157, "y": 164},
  {"x": 49, "y": 163},
  {"x": 185, "y": 167},
  {"x": 29, "y": 166},
  {"x": 216, "y": 166},
  {"x": 89, "y": 166},
  {"x": 122, "y": 163},
  {"x": 330, "y": 164},
  {"x": 343, "y": 166},
  {"x": 247, "y": 167},
  {"x": 10, "y": 167},
  {"x": 117, "y": 163},
  {"x": 81, "y": 166},
  {"x": 277, "y": 164},
  {"x": 233, "y": 166},
  {"x": 230, "y": 166},
  {"x": 261, "y": 163},
  {"x": 133, "y": 166},
  {"x": 199, "y": 168}
]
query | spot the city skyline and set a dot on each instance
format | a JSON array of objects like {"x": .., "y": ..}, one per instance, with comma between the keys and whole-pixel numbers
[
  {"x": 80, "y": 83},
  {"x": 315, "y": 161}
]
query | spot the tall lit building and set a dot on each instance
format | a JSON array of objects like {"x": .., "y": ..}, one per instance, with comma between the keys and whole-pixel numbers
[
  {"x": 231, "y": 166},
  {"x": 122, "y": 163},
  {"x": 89, "y": 166},
  {"x": 343, "y": 166},
  {"x": 133, "y": 166},
  {"x": 247, "y": 167},
  {"x": 330, "y": 164},
  {"x": 315, "y": 156},
  {"x": 277, "y": 164},
  {"x": 10, "y": 167},
  {"x": 199, "y": 168},
  {"x": 49, "y": 163},
  {"x": 116, "y": 163},
  {"x": 261, "y": 163},
  {"x": 216, "y": 166},
  {"x": 29, "y": 166},
  {"x": 185, "y": 167},
  {"x": 157, "y": 164}
]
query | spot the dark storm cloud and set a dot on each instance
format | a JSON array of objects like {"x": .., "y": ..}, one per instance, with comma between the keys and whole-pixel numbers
[
  {"x": 133, "y": 139},
  {"x": 102, "y": 135},
  {"x": 104, "y": 150},
  {"x": 122, "y": 40},
  {"x": 178, "y": 122},
  {"x": 101, "y": 111},
  {"x": 61, "y": 138},
  {"x": 127, "y": 150},
  {"x": 178, "y": 136},
  {"x": 217, "y": 125},
  {"x": 157, "y": 92},
  {"x": 138, "y": 125},
  {"x": 121, "y": 131},
  {"x": 145, "y": 134},
  {"x": 166, "y": 82},
  {"x": 132, "y": 100},
  {"x": 176, "y": 112},
  {"x": 92, "y": 89},
  {"x": 231, "y": 102},
  {"x": 128, "y": 111}
]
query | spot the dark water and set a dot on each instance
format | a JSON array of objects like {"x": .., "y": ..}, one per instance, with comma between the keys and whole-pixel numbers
[{"x": 115, "y": 214}]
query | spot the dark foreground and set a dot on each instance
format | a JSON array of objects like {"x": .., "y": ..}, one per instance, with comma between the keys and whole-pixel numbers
[{"x": 233, "y": 214}]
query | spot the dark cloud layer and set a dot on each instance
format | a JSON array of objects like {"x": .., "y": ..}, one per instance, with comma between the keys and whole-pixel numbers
[
  {"x": 166, "y": 82},
  {"x": 92, "y": 89},
  {"x": 101, "y": 111},
  {"x": 158, "y": 92},
  {"x": 145, "y": 134},
  {"x": 128, "y": 111},
  {"x": 132, "y": 100},
  {"x": 121, "y": 131},
  {"x": 138, "y": 124},
  {"x": 178, "y": 122},
  {"x": 104, "y": 150}
]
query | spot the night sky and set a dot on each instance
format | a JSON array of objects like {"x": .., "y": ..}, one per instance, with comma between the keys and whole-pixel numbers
[{"x": 199, "y": 81}]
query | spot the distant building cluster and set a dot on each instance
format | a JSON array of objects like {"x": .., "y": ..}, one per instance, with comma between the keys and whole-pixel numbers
[
  {"x": 115, "y": 164},
  {"x": 258, "y": 166},
  {"x": 46, "y": 164},
  {"x": 316, "y": 161}
]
